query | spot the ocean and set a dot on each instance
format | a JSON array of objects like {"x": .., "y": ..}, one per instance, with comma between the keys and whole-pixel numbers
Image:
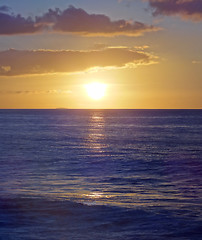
[{"x": 100, "y": 174}]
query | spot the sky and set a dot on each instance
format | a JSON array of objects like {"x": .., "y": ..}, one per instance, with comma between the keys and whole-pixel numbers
[{"x": 147, "y": 53}]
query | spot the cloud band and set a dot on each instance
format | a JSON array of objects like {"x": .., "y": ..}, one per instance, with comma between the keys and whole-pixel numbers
[
  {"x": 188, "y": 9},
  {"x": 15, "y": 62},
  {"x": 71, "y": 20}
]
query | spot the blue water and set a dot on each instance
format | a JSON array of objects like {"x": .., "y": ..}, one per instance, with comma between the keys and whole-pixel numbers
[{"x": 100, "y": 174}]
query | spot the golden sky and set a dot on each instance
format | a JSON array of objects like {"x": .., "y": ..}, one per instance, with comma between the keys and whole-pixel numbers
[{"x": 147, "y": 53}]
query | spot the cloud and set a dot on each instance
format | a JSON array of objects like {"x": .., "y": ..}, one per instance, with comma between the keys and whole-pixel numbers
[
  {"x": 196, "y": 62},
  {"x": 4, "y": 8},
  {"x": 16, "y": 24},
  {"x": 5, "y": 69},
  {"x": 71, "y": 20},
  {"x": 100, "y": 46},
  {"x": 187, "y": 9},
  {"x": 52, "y": 91},
  {"x": 76, "y": 20},
  {"x": 15, "y": 62}
]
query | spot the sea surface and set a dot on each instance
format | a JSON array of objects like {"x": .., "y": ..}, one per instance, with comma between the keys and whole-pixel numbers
[{"x": 100, "y": 174}]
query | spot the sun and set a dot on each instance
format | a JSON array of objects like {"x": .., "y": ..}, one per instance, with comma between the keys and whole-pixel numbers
[{"x": 96, "y": 90}]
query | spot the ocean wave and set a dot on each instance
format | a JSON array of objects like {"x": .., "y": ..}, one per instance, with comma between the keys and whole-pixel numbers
[{"x": 40, "y": 218}]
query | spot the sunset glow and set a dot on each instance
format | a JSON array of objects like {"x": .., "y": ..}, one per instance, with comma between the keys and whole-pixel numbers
[{"x": 146, "y": 59}]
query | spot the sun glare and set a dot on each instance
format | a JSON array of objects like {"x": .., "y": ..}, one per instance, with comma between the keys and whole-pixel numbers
[{"x": 96, "y": 90}]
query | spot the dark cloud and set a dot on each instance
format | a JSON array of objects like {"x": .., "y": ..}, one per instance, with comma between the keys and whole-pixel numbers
[
  {"x": 71, "y": 20},
  {"x": 76, "y": 20},
  {"x": 16, "y": 24},
  {"x": 4, "y": 9},
  {"x": 189, "y": 9},
  {"x": 14, "y": 62}
]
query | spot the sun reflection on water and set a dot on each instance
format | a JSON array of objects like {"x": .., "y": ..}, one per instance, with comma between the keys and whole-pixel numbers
[
  {"x": 94, "y": 195},
  {"x": 96, "y": 132}
]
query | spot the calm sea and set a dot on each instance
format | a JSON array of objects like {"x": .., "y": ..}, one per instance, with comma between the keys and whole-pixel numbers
[{"x": 100, "y": 174}]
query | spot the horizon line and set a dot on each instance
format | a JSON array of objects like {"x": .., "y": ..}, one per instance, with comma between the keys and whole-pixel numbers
[{"x": 100, "y": 108}]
